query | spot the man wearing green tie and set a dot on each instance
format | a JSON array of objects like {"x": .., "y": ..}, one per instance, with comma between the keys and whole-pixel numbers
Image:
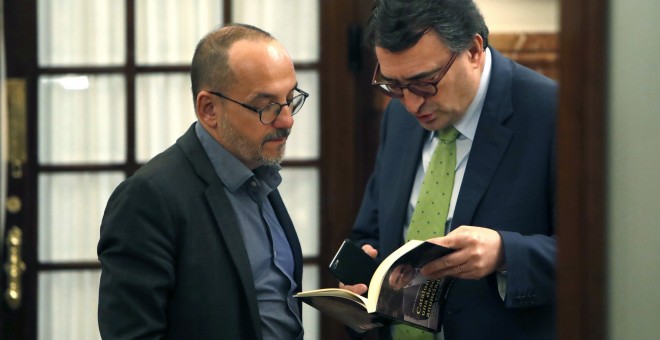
[{"x": 467, "y": 161}]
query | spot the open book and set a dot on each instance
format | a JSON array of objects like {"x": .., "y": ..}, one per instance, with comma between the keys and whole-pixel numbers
[{"x": 397, "y": 292}]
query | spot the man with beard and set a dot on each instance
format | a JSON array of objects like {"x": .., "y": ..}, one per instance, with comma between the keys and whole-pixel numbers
[{"x": 198, "y": 244}]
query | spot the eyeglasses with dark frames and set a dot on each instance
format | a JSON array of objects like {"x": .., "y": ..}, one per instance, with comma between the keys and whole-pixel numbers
[
  {"x": 270, "y": 112},
  {"x": 427, "y": 88}
]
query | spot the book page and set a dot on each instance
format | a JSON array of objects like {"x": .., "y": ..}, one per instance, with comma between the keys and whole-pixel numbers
[
  {"x": 343, "y": 306},
  {"x": 336, "y": 292}
]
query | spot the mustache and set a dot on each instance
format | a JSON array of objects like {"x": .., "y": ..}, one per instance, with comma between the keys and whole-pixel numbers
[{"x": 279, "y": 133}]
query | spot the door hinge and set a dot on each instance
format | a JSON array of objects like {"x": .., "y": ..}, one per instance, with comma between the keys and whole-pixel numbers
[{"x": 14, "y": 267}]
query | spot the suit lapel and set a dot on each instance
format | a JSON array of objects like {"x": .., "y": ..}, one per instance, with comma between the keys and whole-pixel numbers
[
  {"x": 490, "y": 142},
  {"x": 406, "y": 170},
  {"x": 223, "y": 212}
]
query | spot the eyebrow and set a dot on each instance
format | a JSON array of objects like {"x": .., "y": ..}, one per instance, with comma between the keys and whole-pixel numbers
[{"x": 419, "y": 76}]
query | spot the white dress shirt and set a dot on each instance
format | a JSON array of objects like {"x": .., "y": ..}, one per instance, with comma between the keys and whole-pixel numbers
[{"x": 467, "y": 126}]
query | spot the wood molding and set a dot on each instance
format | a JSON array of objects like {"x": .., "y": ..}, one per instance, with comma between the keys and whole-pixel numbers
[{"x": 538, "y": 51}]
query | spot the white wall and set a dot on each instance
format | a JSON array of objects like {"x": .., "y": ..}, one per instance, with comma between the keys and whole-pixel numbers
[
  {"x": 634, "y": 170},
  {"x": 506, "y": 16}
]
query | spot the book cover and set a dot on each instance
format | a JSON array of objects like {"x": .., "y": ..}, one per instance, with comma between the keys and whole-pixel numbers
[{"x": 397, "y": 292}]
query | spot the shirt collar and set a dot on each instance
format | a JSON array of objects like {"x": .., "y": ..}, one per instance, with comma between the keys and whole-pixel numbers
[
  {"x": 467, "y": 126},
  {"x": 232, "y": 172}
]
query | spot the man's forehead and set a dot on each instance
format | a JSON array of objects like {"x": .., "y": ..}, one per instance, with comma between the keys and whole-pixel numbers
[
  {"x": 424, "y": 58},
  {"x": 410, "y": 69}
]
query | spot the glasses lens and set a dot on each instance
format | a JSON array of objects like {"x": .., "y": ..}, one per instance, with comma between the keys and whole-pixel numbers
[
  {"x": 270, "y": 112},
  {"x": 391, "y": 90},
  {"x": 423, "y": 89},
  {"x": 297, "y": 103}
]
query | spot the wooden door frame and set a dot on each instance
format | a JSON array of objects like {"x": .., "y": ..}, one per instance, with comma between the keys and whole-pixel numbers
[
  {"x": 349, "y": 126},
  {"x": 20, "y": 34},
  {"x": 581, "y": 172}
]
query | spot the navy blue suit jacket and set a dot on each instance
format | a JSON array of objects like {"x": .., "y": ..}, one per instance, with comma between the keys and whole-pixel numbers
[
  {"x": 174, "y": 262},
  {"x": 509, "y": 186}
]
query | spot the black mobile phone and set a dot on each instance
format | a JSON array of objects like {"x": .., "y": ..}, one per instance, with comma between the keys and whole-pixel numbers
[{"x": 351, "y": 265}]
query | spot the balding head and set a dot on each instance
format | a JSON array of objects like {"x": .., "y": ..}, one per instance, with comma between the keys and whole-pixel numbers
[{"x": 210, "y": 64}]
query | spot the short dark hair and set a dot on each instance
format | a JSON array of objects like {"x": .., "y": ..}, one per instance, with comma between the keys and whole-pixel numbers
[
  {"x": 397, "y": 25},
  {"x": 210, "y": 63}
]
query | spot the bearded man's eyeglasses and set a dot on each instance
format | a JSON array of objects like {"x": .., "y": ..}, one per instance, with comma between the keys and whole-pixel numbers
[
  {"x": 270, "y": 112},
  {"x": 427, "y": 88}
]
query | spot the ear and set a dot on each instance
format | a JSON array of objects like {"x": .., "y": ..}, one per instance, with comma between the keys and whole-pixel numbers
[
  {"x": 207, "y": 110},
  {"x": 477, "y": 52}
]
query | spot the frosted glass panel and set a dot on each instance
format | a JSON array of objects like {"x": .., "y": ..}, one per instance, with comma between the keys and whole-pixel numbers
[
  {"x": 300, "y": 192},
  {"x": 68, "y": 302},
  {"x": 81, "y": 32},
  {"x": 311, "y": 316},
  {"x": 295, "y": 23},
  {"x": 70, "y": 210},
  {"x": 82, "y": 119},
  {"x": 167, "y": 31},
  {"x": 303, "y": 143},
  {"x": 165, "y": 110}
]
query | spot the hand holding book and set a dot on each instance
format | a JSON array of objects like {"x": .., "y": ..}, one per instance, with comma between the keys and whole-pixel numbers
[
  {"x": 397, "y": 290},
  {"x": 479, "y": 253}
]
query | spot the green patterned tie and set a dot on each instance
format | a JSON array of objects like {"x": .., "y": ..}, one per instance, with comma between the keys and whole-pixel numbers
[
  {"x": 428, "y": 219},
  {"x": 430, "y": 215}
]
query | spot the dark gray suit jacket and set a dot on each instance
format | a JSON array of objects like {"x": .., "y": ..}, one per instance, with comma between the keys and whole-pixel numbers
[
  {"x": 174, "y": 263},
  {"x": 509, "y": 185}
]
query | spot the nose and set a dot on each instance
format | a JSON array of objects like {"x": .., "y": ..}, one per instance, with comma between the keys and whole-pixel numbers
[
  {"x": 411, "y": 101},
  {"x": 284, "y": 120}
]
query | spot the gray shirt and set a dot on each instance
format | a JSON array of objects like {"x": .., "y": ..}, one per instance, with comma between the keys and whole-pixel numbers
[{"x": 271, "y": 258}]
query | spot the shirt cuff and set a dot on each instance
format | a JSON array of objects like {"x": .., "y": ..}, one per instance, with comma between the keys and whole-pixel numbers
[{"x": 501, "y": 283}]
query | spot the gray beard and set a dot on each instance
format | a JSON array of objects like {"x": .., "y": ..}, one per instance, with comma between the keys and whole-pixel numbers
[{"x": 247, "y": 151}]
